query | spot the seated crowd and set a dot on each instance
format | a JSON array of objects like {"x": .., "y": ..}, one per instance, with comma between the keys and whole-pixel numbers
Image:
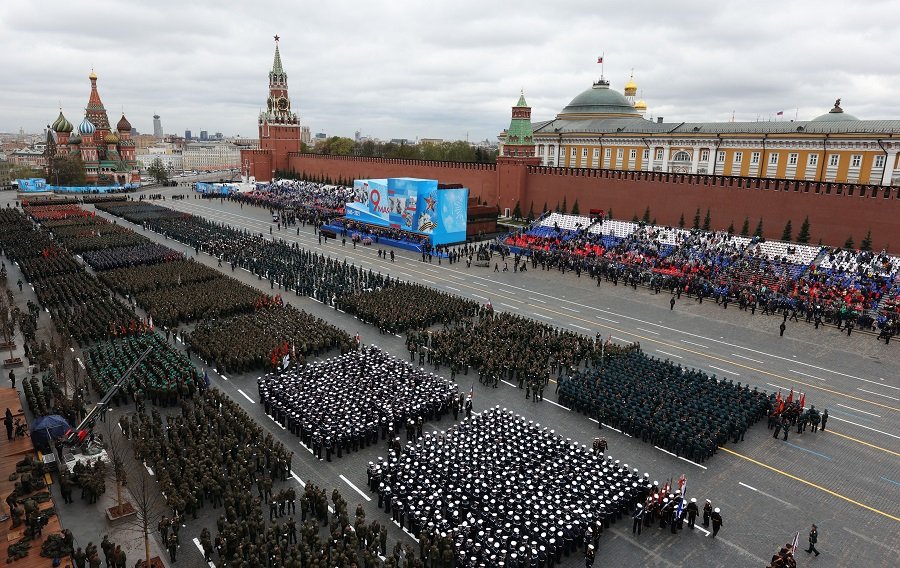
[{"x": 835, "y": 284}]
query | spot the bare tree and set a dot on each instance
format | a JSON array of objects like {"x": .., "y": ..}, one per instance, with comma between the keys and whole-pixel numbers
[
  {"x": 149, "y": 508},
  {"x": 8, "y": 317},
  {"x": 115, "y": 449}
]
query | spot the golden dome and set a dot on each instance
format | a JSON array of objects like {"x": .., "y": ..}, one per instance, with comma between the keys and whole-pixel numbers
[
  {"x": 640, "y": 105},
  {"x": 111, "y": 138},
  {"x": 631, "y": 87},
  {"x": 92, "y": 76}
]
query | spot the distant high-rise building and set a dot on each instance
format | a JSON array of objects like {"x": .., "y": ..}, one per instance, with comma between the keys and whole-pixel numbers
[
  {"x": 218, "y": 136},
  {"x": 204, "y": 136},
  {"x": 157, "y": 127},
  {"x": 187, "y": 134}
]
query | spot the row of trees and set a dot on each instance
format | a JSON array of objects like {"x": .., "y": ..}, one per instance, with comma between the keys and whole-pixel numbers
[{"x": 458, "y": 151}]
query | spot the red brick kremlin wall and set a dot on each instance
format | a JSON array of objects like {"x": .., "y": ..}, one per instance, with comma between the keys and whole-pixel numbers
[{"x": 835, "y": 211}]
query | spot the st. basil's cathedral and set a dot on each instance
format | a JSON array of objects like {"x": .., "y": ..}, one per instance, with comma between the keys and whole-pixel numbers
[{"x": 108, "y": 155}]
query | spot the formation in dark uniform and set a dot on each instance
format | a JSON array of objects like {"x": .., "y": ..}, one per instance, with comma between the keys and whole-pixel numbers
[
  {"x": 508, "y": 491},
  {"x": 682, "y": 410},
  {"x": 345, "y": 403}
]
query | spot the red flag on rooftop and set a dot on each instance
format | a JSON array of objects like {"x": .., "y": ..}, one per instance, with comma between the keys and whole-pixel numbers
[{"x": 600, "y": 59}]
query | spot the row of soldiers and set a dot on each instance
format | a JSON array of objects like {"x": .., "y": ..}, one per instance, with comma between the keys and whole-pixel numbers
[
  {"x": 682, "y": 410},
  {"x": 422, "y": 307}
]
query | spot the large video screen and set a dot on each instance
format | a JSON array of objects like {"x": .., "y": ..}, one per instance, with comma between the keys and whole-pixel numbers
[{"x": 414, "y": 205}]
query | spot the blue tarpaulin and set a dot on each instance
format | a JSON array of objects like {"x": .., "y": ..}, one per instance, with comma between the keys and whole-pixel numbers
[{"x": 46, "y": 429}]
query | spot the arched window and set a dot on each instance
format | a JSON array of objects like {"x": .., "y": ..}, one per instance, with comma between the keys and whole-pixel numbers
[{"x": 681, "y": 156}]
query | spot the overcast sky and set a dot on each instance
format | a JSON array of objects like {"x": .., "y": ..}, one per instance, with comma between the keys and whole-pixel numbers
[{"x": 438, "y": 68}]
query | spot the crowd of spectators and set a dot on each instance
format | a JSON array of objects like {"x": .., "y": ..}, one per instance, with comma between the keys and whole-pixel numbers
[{"x": 817, "y": 283}]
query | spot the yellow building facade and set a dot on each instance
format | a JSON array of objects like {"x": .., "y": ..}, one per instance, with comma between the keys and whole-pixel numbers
[{"x": 605, "y": 129}]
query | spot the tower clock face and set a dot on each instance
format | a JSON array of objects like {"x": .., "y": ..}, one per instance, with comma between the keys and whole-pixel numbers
[{"x": 282, "y": 103}]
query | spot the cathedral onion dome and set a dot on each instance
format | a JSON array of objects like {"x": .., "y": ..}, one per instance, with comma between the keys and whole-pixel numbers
[
  {"x": 640, "y": 105},
  {"x": 75, "y": 139},
  {"x": 630, "y": 88},
  {"x": 836, "y": 114},
  {"x": 92, "y": 76},
  {"x": 598, "y": 101},
  {"x": 123, "y": 125},
  {"x": 111, "y": 138},
  {"x": 87, "y": 128},
  {"x": 61, "y": 124}
]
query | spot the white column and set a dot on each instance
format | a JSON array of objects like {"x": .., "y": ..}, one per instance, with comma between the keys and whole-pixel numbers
[
  {"x": 889, "y": 161},
  {"x": 695, "y": 158},
  {"x": 665, "y": 164}
]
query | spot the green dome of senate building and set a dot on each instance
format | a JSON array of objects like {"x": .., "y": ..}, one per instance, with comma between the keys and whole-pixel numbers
[
  {"x": 600, "y": 100},
  {"x": 836, "y": 114}
]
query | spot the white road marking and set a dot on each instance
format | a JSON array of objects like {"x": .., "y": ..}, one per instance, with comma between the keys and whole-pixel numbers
[
  {"x": 703, "y": 530},
  {"x": 669, "y": 354},
  {"x": 354, "y": 487},
  {"x": 559, "y": 405},
  {"x": 665, "y": 451},
  {"x": 508, "y": 306},
  {"x": 150, "y": 471},
  {"x": 506, "y": 291},
  {"x": 619, "y": 339},
  {"x": 777, "y": 386},
  {"x": 276, "y": 422},
  {"x": 543, "y": 316},
  {"x": 805, "y": 375},
  {"x": 607, "y": 319},
  {"x": 579, "y": 326},
  {"x": 696, "y": 344},
  {"x": 505, "y": 382},
  {"x": 570, "y": 309},
  {"x": 878, "y": 394},
  {"x": 245, "y": 396},
  {"x": 867, "y": 427},
  {"x": 536, "y": 300},
  {"x": 748, "y": 358},
  {"x": 426, "y": 280},
  {"x": 80, "y": 363},
  {"x": 725, "y": 370},
  {"x": 452, "y": 288},
  {"x": 692, "y": 462},
  {"x": 297, "y": 479},
  {"x": 200, "y": 548},
  {"x": 647, "y": 330},
  {"x": 477, "y": 296},
  {"x": 223, "y": 376},
  {"x": 747, "y": 486},
  {"x": 858, "y": 410}
]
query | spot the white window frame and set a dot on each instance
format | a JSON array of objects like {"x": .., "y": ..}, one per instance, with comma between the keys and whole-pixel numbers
[
  {"x": 659, "y": 153},
  {"x": 596, "y": 153},
  {"x": 812, "y": 160},
  {"x": 738, "y": 157},
  {"x": 792, "y": 158},
  {"x": 584, "y": 153},
  {"x": 721, "y": 157},
  {"x": 834, "y": 160},
  {"x": 773, "y": 159},
  {"x": 632, "y": 155},
  {"x": 646, "y": 155},
  {"x": 619, "y": 153},
  {"x": 541, "y": 150},
  {"x": 704, "y": 155},
  {"x": 856, "y": 160},
  {"x": 754, "y": 158},
  {"x": 574, "y": 152},
  {"x": 879, "y": 161},
  {"x": 607, "y": 154}
]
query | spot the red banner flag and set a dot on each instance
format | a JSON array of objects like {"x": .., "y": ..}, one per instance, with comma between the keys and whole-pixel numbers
[
  {"x": 600, "y": 59},
  {"x": 790, "y": 397}
]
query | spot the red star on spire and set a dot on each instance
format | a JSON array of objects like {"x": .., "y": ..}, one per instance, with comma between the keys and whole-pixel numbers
[{"x": 276, "y": 37}]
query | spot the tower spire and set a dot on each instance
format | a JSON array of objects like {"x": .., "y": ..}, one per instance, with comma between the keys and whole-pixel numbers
[{"x": 276, "y": 64}]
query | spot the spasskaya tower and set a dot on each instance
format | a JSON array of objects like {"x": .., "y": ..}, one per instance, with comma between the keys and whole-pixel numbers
[{"x": 279, "y": 128}]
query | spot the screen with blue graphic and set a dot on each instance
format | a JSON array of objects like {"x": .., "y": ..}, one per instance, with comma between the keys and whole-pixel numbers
[{"x": 409, "y": 204}]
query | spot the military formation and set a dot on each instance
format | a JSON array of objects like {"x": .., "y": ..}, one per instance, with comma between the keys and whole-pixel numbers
[
  {"x": 261, "y": 339},
  {"x": 683, "y": 410},
  {"x": 164, "y": 377},
  {"x": 422, "y": 307},
  {"x": 505, "y": 492},
  {"x": 146, "y": 253},
  {"x": 349, "y": 402}
]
